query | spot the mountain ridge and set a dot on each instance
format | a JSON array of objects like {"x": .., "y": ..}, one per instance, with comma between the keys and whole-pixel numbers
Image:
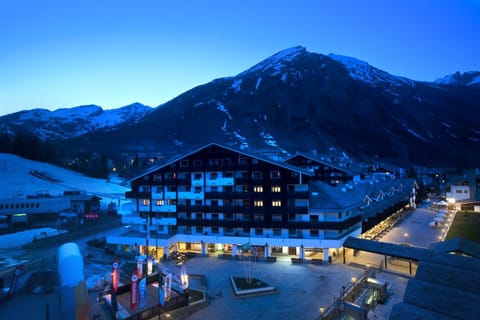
[{"x": 296, "y": 100}]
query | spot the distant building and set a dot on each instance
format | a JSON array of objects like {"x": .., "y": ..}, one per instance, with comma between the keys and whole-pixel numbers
[{"x": 217, "y": 198}]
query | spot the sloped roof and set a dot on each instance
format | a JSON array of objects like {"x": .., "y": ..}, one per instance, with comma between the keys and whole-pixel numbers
[
  {"x": 446, "y": 286},
  {"x": 277, "y": 163},
  {"x": 322, "y": 161},
  {"x": 323, "y": 196},
  {"x": 458, "y": 245}
]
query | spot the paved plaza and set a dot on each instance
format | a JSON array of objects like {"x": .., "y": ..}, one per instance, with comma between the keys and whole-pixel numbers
[{"x": 302, "y": 289}]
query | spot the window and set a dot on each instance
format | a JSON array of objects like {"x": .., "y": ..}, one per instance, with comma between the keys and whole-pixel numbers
[
  {"x": 258, "y": 231},
  {"x": 339, "y": 215},
  {"x": 170, "y": 175},
  {"x": 229, "y": 216},
  {"x": 215, "y": 230},
  {"x": 276, "y": 203},
  {"x": 145, "y": 202},
  {"x": 213, "y": 175},
  {"x": 314, "y": 218},
  {"x": 199, "y": 229},
  {"x": 257, "y": 175},
  {"x": 159, "y": 203},
  {"x": 197, "y": 176},
  {"x": 277, "y": 217},
  {"x": 275, "y": 174},
  {"x": 197, "y": 163},
  {"x": 158, "y": 189},
  {"x": 197, "y": 190},
  {"x": 198, "y": 216},
  {"x": 183, "y": 163},
  {"x": 276, "y": 189},
  {"x": 246, "y": 230},
  {"x": 257, "y": 189},
  {"x": 215, "y": 216},
  {"x": 172, "y": 201},
  {"x": 294, "y": 174},
  {"x": 458, "y": 191},
  {"x": 258, "y": 203},
  {"x": 314, "y": 233},
  {"x": 144, "y": 189},
  {"x": 228, "y": 174},
  {"x": 258, "y": 217},
  {"x": 277, "y": 232}
]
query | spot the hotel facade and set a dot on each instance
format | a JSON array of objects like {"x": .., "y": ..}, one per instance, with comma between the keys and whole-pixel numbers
[{"x": 217, "y": 199}]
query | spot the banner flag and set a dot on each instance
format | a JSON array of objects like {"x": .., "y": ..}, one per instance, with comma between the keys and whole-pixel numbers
[
  {"x": 142, "y": 293},
  {"x": 115, "y": 273},
  {"x": 134, "y": 290}
]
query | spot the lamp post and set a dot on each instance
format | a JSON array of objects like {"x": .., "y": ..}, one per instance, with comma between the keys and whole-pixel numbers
[{"x": 405, "y": 236}]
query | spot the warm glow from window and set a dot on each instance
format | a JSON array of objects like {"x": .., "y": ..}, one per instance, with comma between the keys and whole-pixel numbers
[
  {"x": 146, "y": 202},
  {"x": 258, "y": 203},
  {"x": 276, "y": 189},
  {"x": 160, "y": 202},
  {"x": 258, "y": 189},
  {"x": 276, "y": 203}
]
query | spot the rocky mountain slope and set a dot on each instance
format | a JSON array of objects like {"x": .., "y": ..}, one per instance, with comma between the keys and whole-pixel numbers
[{"x": 296, "y": 100}]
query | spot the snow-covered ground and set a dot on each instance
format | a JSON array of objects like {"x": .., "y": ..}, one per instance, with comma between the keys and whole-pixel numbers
[{"x": 18, "y": 182}]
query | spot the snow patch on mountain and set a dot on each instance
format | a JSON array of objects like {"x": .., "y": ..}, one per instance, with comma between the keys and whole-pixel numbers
[
  {"x": 269, "y": 139},
  {"x": 361, "y": 70},
  {"x": 276, "y": 63},
  {"x": 222, "y": 108},
  {"x": 259, "y": 80},
  {"x": 474, "y": 81},
  {"x": 237, "y": 85}
]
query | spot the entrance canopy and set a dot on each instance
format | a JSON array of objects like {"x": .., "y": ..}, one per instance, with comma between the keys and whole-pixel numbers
[{"x": 387, "y": 249}]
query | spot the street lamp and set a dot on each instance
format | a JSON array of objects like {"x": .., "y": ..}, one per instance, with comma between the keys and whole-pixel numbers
[{"x": 405, "y": 235}]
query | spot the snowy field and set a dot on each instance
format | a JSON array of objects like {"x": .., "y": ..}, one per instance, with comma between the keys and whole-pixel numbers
[{"x": 18, "y": 182}]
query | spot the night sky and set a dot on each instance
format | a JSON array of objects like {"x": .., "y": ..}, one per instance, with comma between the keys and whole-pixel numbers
[{"x": 112, "y": 53}]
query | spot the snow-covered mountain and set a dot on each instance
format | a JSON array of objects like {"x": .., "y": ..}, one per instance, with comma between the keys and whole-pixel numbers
[
  {"x": 469, "y": 78},
  {"x": 297, "y": 100},
  {"x": 67, "y": 123}
]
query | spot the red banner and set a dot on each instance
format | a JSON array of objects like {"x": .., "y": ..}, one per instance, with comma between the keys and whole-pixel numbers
[
  {"x": 134, "y": 290},
  {"x": 115, "y": 273}
]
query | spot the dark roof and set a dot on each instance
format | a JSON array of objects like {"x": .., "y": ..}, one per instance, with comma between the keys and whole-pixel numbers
[
  {"x": 320, "y": 161},
  {"x": 446, "y": 286},
  {"x": 325, "y": 197},
  {"x": 277, "y": 163},
  {"x": 458, "y": 245}
]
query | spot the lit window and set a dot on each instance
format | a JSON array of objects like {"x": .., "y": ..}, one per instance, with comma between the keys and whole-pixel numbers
[
  {"x": 258, "y": 203},
  {"x": 276, "y": 203},
  {"x": 159, "y": 202},
  {"x": 276, "y": 189},
  {"x": 146, "y": 202},
  {"x": 258, "y": 189}
]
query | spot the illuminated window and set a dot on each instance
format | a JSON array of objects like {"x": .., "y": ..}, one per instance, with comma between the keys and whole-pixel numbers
[
  {"x": 258, "y": 203},
  {"x": 276, "y": 189},
  {"x": 146, "y": 202},
  {"x": 258, "y": 189},
  {"x": 159, "y": 202},
  {"x": 276, "y": 203}
]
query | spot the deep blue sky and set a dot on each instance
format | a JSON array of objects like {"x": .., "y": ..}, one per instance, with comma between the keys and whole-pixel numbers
[{"x": 111, "y": 53}]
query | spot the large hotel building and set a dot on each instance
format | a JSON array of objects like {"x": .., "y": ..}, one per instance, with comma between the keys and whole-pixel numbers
[{"x": 216, "y": 199}]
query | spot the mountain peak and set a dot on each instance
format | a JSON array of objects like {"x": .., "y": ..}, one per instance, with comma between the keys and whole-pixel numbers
[
  {"x": 460, "y": 79},
  {"x": 275, "y": 63}
]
